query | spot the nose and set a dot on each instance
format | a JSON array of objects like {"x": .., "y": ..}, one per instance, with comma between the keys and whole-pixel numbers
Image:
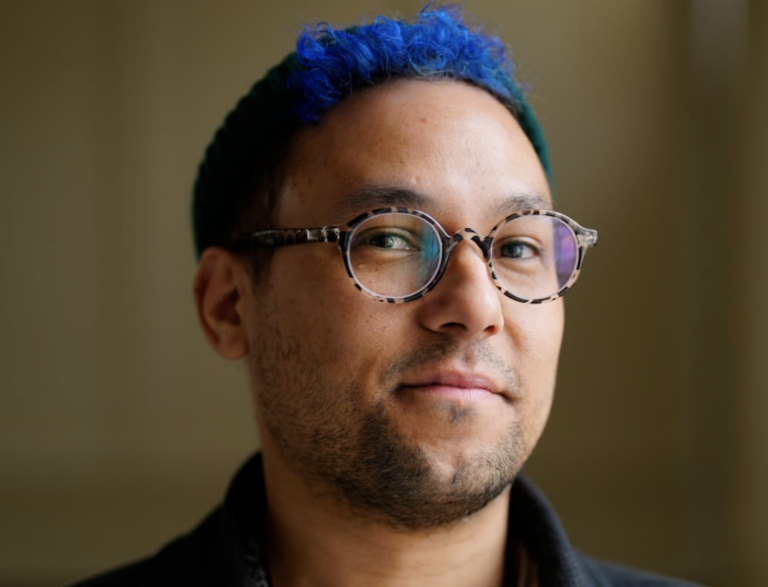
[{"x": 465, "y": 302}]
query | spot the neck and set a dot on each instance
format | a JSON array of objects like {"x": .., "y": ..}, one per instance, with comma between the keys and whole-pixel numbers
[{"x": 317, "y": 541}]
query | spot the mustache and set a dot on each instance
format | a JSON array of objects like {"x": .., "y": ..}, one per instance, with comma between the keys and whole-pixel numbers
[{"x": 477, "y": 355}]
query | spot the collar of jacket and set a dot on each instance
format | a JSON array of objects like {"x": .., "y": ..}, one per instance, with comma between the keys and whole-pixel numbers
[{"x": 242, "y": 537}]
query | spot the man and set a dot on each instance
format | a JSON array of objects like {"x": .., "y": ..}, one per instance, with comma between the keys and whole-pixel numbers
[{"x": 377, "y": 243}]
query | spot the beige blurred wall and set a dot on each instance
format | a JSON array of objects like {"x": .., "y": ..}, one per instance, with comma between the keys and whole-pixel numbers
[
  {"x": 749, "y": 295},
  {"x": 119, "y": 428}
]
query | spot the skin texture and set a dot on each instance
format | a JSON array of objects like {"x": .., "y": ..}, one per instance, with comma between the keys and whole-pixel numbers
[{"x": 379, "y": 435}]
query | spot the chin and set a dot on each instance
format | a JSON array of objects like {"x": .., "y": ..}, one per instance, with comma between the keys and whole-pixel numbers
[{"x": 411, "y": 484}]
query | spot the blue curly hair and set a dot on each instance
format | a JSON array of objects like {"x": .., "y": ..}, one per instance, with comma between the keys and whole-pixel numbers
[{"x": 241, "y": 174}]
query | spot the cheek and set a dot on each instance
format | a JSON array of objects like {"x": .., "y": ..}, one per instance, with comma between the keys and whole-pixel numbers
[
  {"x": 316, "y": 305},
  {"x": 537, "y": 332}
]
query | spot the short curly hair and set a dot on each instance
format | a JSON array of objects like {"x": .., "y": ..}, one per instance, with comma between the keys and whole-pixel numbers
[{"x": 241, "y": 174}]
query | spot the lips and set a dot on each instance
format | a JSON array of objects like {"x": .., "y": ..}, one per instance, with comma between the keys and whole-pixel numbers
[{"x": 455, "y": 383}]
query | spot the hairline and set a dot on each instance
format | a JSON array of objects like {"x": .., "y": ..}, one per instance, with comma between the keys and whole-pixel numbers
[{"x": 290, "y": 161}]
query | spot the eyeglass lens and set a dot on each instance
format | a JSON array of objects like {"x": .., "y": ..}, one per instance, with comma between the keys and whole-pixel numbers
[{"x": 397, "y": 255}]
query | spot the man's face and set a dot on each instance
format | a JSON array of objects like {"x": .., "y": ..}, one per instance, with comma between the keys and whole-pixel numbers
[{"x": 420, "y": 413}]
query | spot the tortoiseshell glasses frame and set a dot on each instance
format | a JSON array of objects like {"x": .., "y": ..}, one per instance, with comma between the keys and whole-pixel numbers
[{"x": 397, "y": 254}]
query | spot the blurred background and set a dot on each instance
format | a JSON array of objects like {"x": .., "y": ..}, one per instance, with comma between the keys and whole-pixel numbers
[{"x": 120, "y": 428}]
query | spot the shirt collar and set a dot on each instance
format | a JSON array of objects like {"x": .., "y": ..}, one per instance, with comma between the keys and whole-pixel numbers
[{"x": 242, "y": 535}]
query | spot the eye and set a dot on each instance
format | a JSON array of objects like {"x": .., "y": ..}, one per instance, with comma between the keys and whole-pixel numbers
[
  {"x": 517, "y": 249},
  {"x": 399, "y": 240}
]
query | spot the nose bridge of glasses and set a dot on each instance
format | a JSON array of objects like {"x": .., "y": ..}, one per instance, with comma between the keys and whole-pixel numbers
[
  {"x": 467, "y": 235},
  {"x": 471, "y": 235},
  {"x": 451, "y": 242}
]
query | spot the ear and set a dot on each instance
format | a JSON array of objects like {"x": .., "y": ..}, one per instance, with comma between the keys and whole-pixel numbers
[{"x": 219, "y": 294}]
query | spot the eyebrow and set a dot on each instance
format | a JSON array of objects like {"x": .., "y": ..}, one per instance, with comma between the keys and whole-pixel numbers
[
  {"x": 523, "y": 200},
  {"x": 380, "y": 196}
]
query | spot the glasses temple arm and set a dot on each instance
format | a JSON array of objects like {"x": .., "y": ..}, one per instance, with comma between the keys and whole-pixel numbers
[
  {"x": 279, "y": 237},
  {"x": 587, "y": 237}
]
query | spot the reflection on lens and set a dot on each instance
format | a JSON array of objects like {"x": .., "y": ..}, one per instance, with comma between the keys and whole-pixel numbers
[
  {"x": 534, "y": 256},
  {"x": 394, "y": 255}
]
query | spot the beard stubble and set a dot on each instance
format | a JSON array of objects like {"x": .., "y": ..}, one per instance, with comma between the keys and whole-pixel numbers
[{"x": 353, "y": 452}]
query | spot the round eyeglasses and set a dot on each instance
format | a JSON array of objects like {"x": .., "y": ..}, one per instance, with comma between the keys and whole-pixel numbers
[{"x": 397, "y": 255}]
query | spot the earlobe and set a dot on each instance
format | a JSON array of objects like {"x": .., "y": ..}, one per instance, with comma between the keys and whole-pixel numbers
[{"x": 218, "y": 291}]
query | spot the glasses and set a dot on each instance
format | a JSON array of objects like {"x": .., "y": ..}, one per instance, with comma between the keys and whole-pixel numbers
[{"x": 397, "y": 255}]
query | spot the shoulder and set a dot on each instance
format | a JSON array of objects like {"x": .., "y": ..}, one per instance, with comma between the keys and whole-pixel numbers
[
  {"x": 612, "y": 575},
  {"x": 559, "y": 563},
  {"x": 219, "y": 552},
  {"x": 188, "y": 560}
]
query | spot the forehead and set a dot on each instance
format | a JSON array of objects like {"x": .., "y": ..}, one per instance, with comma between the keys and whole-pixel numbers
[{"x": 445, "y": 146}]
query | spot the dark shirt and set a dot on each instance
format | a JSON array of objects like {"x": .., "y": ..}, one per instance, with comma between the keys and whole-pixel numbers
[{"x": 228, "y": 548}]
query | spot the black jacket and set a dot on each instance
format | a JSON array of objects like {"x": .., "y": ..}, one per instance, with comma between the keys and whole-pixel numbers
[{"x": 227, "y": 548}]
